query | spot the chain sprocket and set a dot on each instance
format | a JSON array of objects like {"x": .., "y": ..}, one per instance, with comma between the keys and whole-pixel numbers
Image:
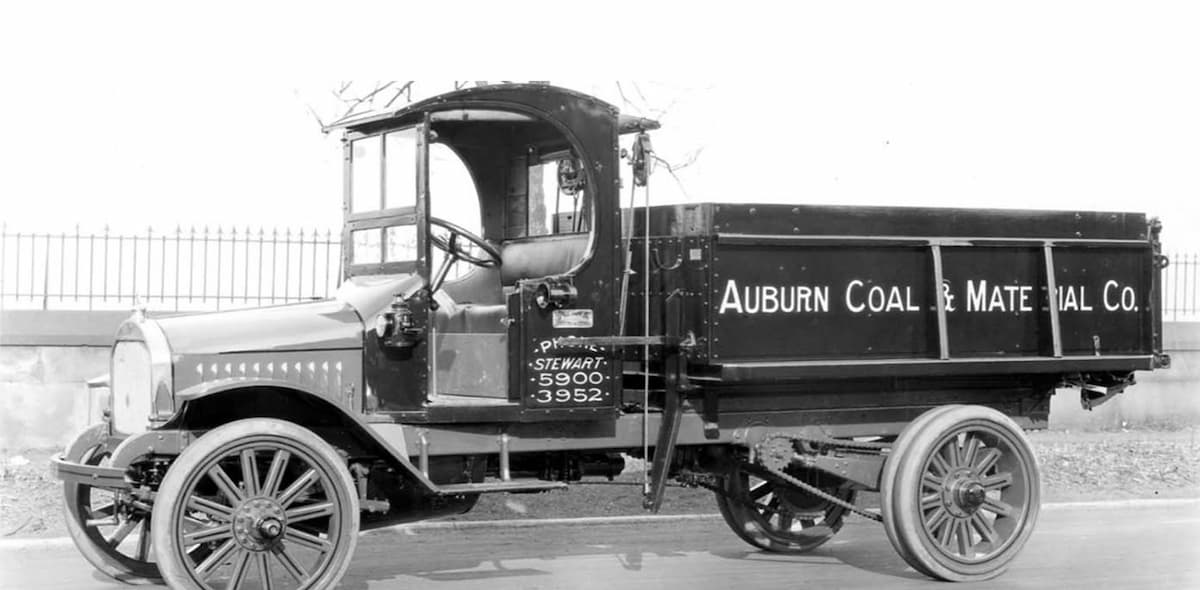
[{"x": 776, "y": 450}]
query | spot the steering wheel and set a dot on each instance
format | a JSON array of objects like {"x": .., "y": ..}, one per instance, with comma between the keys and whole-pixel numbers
[{"x": 458, "y": 251}]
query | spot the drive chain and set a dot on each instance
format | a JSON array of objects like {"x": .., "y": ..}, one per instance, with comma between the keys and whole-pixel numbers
[
  {"x": 814, "y": 490},
  {"x": 832, "y": 442}
]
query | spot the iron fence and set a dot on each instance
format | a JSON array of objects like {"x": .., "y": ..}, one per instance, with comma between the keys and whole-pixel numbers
[
  {"x": 182, "y": 270},
  {"x": 1181, "y": 300},
  {"x": 221, "y": 268}
]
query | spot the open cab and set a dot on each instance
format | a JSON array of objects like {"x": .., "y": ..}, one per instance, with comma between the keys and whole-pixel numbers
[{"x": 493, "y": 223}]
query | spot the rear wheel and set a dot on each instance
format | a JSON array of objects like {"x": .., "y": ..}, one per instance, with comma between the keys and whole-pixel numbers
[
  {"x": 888, "y": 476},
  {"x": 273, "y": 503},
  {"x": 775, "y": 516},
  {"x": 964, "y": 496}
]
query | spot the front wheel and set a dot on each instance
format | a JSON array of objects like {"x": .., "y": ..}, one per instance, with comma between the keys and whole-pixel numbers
[
  {"x": 273, "y": 503},
  {"x": 962, "y": 495}
]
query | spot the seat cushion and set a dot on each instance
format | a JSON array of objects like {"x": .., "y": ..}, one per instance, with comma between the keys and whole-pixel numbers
[
  {"x": 469, "y": 318},
  {"x": 532, "y": 258}
]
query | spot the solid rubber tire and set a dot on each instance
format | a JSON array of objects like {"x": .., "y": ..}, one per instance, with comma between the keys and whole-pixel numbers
[
  {"x": 177, "y": 574},
  {"x": 906, "y": 490},
  {"x": 888, "y": 475}
]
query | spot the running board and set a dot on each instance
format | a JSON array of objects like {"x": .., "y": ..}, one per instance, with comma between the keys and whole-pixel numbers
[{"x": 492, "y": 486}]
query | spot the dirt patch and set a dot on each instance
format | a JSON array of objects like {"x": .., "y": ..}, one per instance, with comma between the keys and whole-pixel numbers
[
  {"x": 30, "y": 498},
  {"x": 1075, "y": 466},
  {"x": 1119, "y": 464}
]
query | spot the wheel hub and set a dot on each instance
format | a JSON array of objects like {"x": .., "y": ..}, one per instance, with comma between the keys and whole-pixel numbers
[
  {"x": 963, "y": 494},
  {"x": 258, "y": 523},
  {"x": 269, "y": 528},
  {"x": 970, "y": 495}
]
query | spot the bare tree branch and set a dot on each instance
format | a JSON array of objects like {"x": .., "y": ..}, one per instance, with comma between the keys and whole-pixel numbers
[
  {"x": 673, "y": 168},
  {"x": 625, "y": 99},
  {"x": 662, "y": 112},
  {"x": 369, "y": 96},
  {"x": 688, "y": 159},
  {"x": 638, "y": 89},
  {"x": 313, "y": 112},
  {"x": 406, "y": 90}
]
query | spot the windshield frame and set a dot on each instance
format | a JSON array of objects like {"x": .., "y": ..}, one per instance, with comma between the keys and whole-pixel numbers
[{"x": 416, "y": 215}]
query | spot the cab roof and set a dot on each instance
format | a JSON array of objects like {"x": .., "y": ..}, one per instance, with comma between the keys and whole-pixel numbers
[{"x": 457, "y": 105}]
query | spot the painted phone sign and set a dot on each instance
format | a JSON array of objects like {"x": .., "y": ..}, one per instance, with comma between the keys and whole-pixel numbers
[
  {"x": 561, "y": 378},
  {"x": 881, "y": 302}
]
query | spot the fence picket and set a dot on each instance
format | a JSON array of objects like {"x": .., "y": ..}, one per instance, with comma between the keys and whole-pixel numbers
[{"x": 28, "y": 261}]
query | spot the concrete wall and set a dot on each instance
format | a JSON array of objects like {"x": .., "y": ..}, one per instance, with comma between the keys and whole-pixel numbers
[
  {"x": 1166, "y": 398},
  {"x": 35, "y": 327},
  {"x": 46, "y": 359},
  {"x": 1160, "y": 398},
  {"x": 44, "y": 399}
]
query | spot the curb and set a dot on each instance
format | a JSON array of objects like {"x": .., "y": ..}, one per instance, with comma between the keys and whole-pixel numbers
[
  {"x": 1114, "y": 504},
  {"x": 51, "y": 543},
  {"x": 467, "y": 525}
]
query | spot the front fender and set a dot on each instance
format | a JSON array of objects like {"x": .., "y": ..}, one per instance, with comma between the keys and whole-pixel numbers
[
  {"x": 70, "y": 466},
  {"x": 92, "y": 437},
  {"x": 351, "y": 419},
  {"x": 110, "y": 474}
]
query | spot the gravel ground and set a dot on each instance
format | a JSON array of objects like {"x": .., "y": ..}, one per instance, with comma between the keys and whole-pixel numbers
[{"x": 1075, "y": 466}]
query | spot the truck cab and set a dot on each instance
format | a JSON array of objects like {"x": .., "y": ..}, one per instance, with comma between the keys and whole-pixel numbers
[{"x": 484, "y": 224}]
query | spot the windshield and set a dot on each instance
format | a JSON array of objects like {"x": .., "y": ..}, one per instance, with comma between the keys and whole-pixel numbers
[
  {"x": 383, "y": 186},
  {"x": 384, "y": 171}
]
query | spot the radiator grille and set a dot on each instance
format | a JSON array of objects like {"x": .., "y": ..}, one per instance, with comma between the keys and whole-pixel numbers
[{"x": 131, "y": 385}]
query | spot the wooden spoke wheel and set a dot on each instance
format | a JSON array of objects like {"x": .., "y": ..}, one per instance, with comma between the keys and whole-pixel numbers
[
  {"x": 111, "y": 532},
  {"x": 272, "y": 502},
  {"x": 888, "y": 475},
  {"x": 775, "y": 516},
  {"x": 963, "y": 494}
]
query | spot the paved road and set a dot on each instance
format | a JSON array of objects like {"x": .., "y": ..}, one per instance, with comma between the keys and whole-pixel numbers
[{"x": 1091, "y": 547}]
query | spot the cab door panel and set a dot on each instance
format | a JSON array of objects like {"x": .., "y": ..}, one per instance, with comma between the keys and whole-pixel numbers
[{"x": 580, "y": 381}]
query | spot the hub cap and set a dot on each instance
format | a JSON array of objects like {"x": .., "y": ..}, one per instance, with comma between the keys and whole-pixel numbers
[{"x": 258, "y": 523}]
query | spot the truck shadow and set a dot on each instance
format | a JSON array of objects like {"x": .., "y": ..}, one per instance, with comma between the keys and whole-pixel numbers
[
  {"x": 563, "y": 557},
  {"x": 873, "y": 556}
]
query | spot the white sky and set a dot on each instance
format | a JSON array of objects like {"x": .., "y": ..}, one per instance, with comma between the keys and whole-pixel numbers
[{"x": 201, "y": 118}]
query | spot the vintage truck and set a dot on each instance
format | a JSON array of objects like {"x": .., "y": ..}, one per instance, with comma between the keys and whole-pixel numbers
[{"x": 786, "y": 356}]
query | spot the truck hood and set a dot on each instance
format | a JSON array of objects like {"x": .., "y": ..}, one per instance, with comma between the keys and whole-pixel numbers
[{"x": 328, "y": 324}]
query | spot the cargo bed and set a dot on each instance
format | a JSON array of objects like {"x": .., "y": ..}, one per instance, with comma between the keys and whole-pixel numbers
[{"x": 779, "y": 292}]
